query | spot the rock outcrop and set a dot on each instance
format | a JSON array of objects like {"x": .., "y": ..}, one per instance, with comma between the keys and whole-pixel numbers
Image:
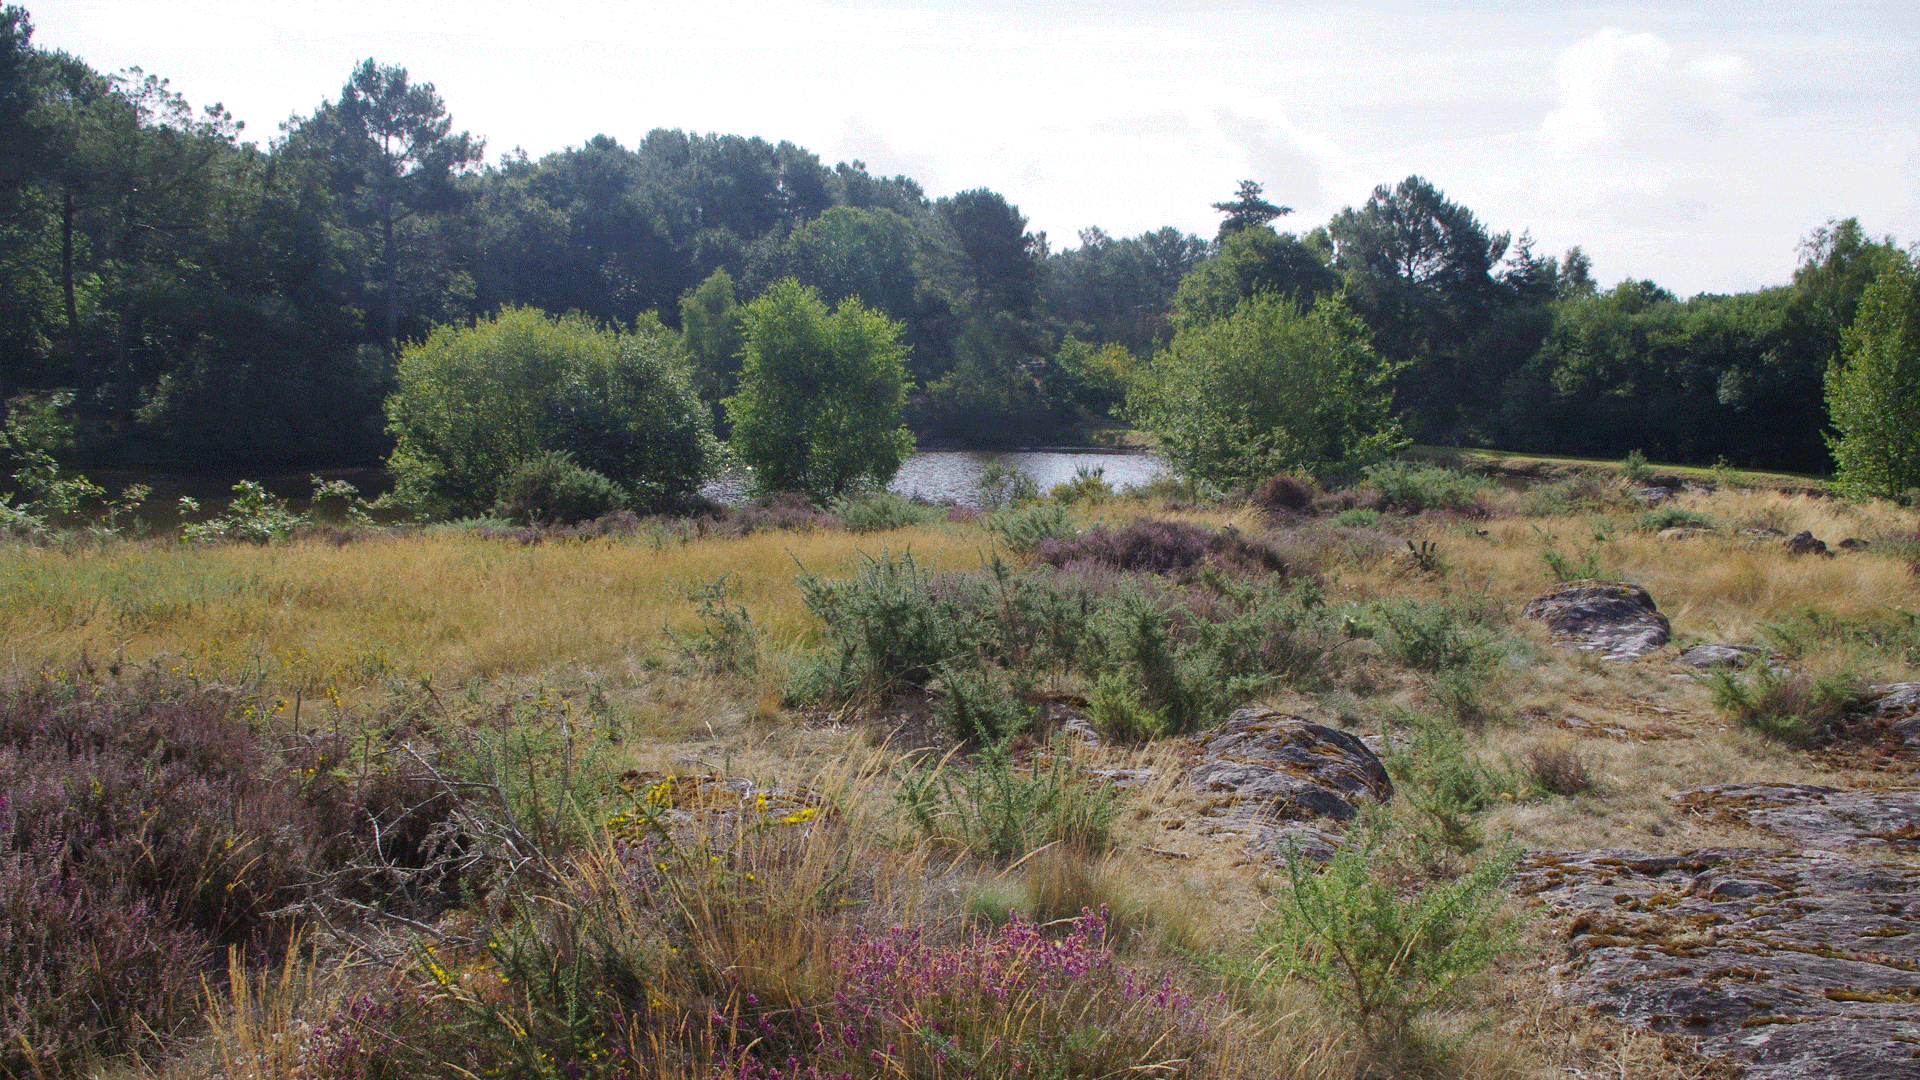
[
  {"x": 1897, "y": 705},
  {"x": 1277, "y": 773},
  {"x": 1704, "y": 656},
  {"x": 1805, "y": 543},
  {"x": 1613, "y": 618},
  {"x": 1802, "y": 964},
  {"x": 1829, "y": 819}
]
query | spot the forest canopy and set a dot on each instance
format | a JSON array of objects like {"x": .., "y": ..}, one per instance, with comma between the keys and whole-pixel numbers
[{"x": 213, "y": 302}]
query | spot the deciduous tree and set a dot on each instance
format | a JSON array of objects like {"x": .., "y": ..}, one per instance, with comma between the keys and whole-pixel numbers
[
  {"x": 1873, "y": 392},
  {"x": 818, "y": 410}
]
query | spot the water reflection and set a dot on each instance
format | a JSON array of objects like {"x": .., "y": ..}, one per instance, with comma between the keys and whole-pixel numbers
[{"x": 939, "y": 475}]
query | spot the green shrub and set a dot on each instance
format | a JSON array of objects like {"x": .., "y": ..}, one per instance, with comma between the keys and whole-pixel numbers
[
  {"x": 1675, "y": 517},
  {"x": 993, "y": 809},
  {"x": 728, "y": 641},
  {"x": 1408, "y": 488},
  {"x": 1565, "y": 569},
  {"x": 1790, "y": 706},
  {"x": 1635, "y": 467},
  {"x": 878, "y": 511},
  {"x": 1378, "y": 954},
  {"x": 984, "y": 704},
  {"x": 1002, "y": 485},
  {"x": 255, "y": 515},
  {"x": 1087, "y": 486},
  {"x": 472, "y": 402},
  {"x": 1445, "y": 634},
  {"x": 1358, "y": 517},
  {"x": 1894, "y": 633},
  {"x": 887, "y": 626},
  {"x": 550, "y": 489},
  {"x": 1023, "y": 528},
  {"x": 1441, "y": 777},
  {"x": 1115, "y": 710}
]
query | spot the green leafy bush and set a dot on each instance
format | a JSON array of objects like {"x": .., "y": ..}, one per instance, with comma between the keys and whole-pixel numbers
[
  {"x": 549, "y": 488},
  {"x": 1358, "y": 517},
  {"x": 1002, "y": 485},
  {"x": 472, "y": 402},
  {"x": 1441, "y": 777},
  {"x": 1445, "y": 634},
  {"x": 255, "y": 515},
  {"x": 1087, "y": 486},
  {"x": 1408, "y": 488},
  {"x": 728, "y": 641}
]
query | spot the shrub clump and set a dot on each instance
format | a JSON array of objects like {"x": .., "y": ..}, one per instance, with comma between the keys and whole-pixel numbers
[
  {"x": 1790, "y": 706},
  {"x": 549, "y": 488},
  {"x": 1284, "y": 492},
  {"x": 1149, "y": 545},
  {"x": 1408, "y": 488}
]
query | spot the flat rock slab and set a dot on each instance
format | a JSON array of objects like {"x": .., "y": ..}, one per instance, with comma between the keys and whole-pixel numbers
[
  {"x": 1609, "y": 617},
  {"x": 1269, "y": 766},
  {"x": 1797, "y": 964},
  {"x": 1818, "y": 817},
  {"x": 1705, "y": 656}
]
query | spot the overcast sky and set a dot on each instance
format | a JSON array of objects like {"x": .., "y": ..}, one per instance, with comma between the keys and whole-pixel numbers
[{"x": 1694, "y": 144}]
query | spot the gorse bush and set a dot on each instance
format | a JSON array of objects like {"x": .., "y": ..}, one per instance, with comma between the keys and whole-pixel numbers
[
  {"x": 1379, "y": 955},
  {"x": 1023, "y": 528},
  {"x": 1791, "y": 706},
  {"x": 877, "y": 511},
  {"x": 888, "y": 625},
  {"x": 1440, "y": 777},
  {"x": 1087, "y": 486},
  {"x": 549, "y": 488},
  {"x": 1407, "y": 488}
]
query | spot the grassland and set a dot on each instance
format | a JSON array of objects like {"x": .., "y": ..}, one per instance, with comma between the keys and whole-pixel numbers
[{"x": 561, "y": 688}]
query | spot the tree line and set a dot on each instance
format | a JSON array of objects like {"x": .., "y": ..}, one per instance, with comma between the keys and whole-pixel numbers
[{"x": 210, "y": 301}]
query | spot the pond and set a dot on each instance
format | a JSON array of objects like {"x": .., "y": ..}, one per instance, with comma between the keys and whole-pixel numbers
[{"x": 941, "y": 475}]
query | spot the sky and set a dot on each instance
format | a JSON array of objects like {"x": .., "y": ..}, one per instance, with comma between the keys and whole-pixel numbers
[{"x": 1691, "y": 144}]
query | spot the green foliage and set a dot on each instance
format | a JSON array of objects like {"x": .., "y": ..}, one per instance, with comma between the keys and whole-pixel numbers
[
  {"x": 1001, "y": 486},
  {"x": 728, "y": 641},
  {"x": 1635, "y": 467},
  {"x": 1446, "y": 634},
  {"x": 1023, "y": 528},
  {"x": 1790, "y": 706},
  {"x": 1873, "y": 392},
  {"x": 886, "y": 626},
  {"x": 548, "y": 488},
  {"x": 1675, "y": 517},
  {"x": 986, "y": 705},
  {"x": 1357, "y": 517},
  {"x": 878, "y": 511},
  {"x": 1565, "y": 569},
  {"x": 1409, "y": 488},
  {"x": 1115, "y": 710},
  {"x": 1442, "y": 778},
  {"x": 818, "y": 410},
  {"x": 1379, "y": 953},
  {"x": 1253, "y": 262},
  {"x": 1265, "y": 389},
  {"x": 1894, "y": 633},
  {"x": 255, "y": 515},
  {"x": 710, "y": 332},
  {"x": 995, "y": 809},
  {"x": 1087, "y": 486},
  {"x": 474, "y": 402}
]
